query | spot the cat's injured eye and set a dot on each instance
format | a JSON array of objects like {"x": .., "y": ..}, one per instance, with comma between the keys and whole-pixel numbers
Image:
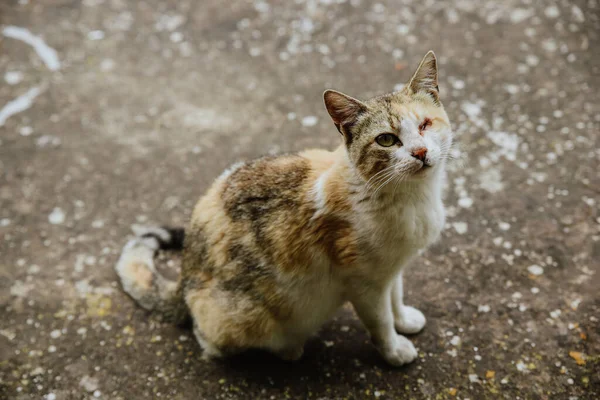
[
  {"x": 424, "y": 125},
  {"x": 387, "y": 139}
]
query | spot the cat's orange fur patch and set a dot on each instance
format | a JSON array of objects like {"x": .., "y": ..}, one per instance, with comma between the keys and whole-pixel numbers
[{"x": 142, "y": 275}]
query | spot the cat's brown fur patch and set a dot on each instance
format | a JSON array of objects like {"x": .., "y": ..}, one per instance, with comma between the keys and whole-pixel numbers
[{"x": 237, "y": 245}]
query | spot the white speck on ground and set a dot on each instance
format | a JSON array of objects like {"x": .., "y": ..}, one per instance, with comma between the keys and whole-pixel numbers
[
  {"x": 176, "y": 37},
  {"x": 484, "y": 308},
  {"x": 57, "y": 216},
  {"x": 460, "y": 227},
  {"x": 473, "y": 110},
  {"x": 549, "y": 45},
  {"x": 522, "y": 367},
  {"x": 88, "y": 383},
  {"x": 535, "y": 269},
  {"x": 458, "y": 84},
  {"x": 504, "y": 226},
  {"x": 20, "y": 104},
  {"x": 95, "y": 35},
  {"x": 107, "y": 65},
  {"x": 48, "y": 55},
  {"x": 555, "y": 313},
  {"x": 520, "y": 15},
  {"x": 262, "y": 7},
  {"x": 465, "y": 202},
  {"x": 491, "y": 181},
  {"x": 511, "y": 88},
  {"x": 577, "y": 14},
  {"x": 508, "y": 143},
  {"x": 13, "y": 77},
  {"x": 309, "y": 121},
  {"x": 25, "y": 131},
  {"x": 589, "y": 201},
  {"x": 452, "y": 15},
  {"x": 169, "y": 23},
  {"x": 20, "y": 289},
  {"x": 532, "y": 60},
  {"x": 552, "y": 12}
]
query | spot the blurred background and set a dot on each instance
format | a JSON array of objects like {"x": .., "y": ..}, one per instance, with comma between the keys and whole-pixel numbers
[{"x": 114, "y": 112}]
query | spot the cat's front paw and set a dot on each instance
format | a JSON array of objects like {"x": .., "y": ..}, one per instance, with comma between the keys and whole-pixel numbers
[
  {"x": 410, "y": 320},
  {"x": 399, "y": 351}
]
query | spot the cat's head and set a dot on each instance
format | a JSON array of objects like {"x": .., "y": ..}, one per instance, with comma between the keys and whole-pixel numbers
[{"x": 405, "y": 134}]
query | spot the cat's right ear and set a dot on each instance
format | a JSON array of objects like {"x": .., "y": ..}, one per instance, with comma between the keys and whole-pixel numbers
[{"x": 344, "y": 110}]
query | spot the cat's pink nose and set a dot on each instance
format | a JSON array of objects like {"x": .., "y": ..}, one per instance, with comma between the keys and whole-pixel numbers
[{"x": 419, "y": 153}]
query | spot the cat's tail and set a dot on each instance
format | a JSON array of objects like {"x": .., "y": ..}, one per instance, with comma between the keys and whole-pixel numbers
[{"x": 140, "y": 278}]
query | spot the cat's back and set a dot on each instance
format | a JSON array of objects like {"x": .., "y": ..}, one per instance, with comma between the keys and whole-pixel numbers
[
  {"x": 261, "y": 206},
  {"x": 264, "y": 185}
]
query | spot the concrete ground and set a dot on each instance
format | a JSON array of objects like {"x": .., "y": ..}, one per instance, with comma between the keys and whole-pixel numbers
[{"x": 147, "y": 101}]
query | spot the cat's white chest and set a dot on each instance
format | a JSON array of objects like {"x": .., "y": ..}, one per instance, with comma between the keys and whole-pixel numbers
[
  {"x": 420, "y": 223},
  {"x": 400, "y": 232}
]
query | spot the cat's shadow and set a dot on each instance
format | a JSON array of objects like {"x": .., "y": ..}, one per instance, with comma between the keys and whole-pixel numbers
[
  {"x": 317, "y": 362},
  {"x": 340, "y": 351}
]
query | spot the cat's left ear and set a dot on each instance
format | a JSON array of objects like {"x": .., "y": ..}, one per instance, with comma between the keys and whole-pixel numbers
[
  {"x": 343, "y": 109},
  {"x": 425, "y": 80}
]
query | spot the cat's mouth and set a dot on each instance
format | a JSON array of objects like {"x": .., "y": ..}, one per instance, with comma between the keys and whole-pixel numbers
[{"x": 425, "y": 166}]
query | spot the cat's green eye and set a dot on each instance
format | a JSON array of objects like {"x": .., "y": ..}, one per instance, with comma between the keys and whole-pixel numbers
[{"x": 387, "y": 139}]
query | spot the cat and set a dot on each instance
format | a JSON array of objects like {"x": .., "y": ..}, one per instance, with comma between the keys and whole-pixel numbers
[{"x": 278, "y": 244}]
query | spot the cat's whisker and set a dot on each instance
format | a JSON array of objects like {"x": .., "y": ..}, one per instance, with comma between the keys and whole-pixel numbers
[
  {"x": 376, "y": 177},
  {"x": 401, "y": 177},
  {"x": 380, "y": 187},
  {"x": 396, "y": 186},
  {"x": 377, "y": 182},
  {"x": 380, "y": 179},
  {"x": 391, "y": 178}
]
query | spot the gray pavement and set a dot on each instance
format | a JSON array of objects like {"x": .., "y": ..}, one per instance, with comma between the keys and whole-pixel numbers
[{"x": 143, "y": 103}]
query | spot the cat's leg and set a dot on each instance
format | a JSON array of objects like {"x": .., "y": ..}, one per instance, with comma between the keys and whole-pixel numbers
[
  {"x": 374, "y": 307},
  {"x": 209, "y": 350},
  {"x": 407, "y": 319}
]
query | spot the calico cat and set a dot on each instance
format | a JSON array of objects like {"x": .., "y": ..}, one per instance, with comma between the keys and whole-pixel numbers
[{"x": 278, "y": 244}]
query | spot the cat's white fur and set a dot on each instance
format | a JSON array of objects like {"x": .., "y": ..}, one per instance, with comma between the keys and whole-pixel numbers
[{"x": 413, "y": 221}]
